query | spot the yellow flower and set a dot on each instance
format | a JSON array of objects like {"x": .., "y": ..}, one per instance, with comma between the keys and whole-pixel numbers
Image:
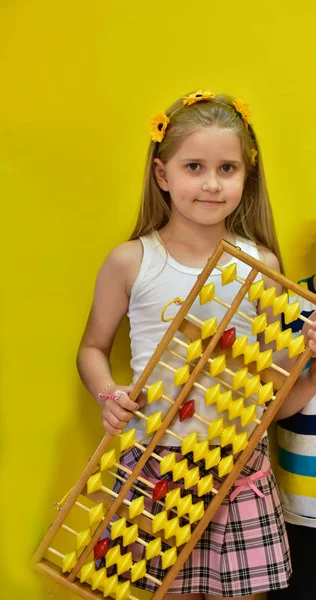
[
  {"x": 254, "y": 154},
  {"x": 197, "y": 97},
  {"x": 158, "y": 126},
  {"x": 243, "y": 110}
]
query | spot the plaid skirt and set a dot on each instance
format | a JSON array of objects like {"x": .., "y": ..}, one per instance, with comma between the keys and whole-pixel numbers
[{"x": 244, "y": 549}]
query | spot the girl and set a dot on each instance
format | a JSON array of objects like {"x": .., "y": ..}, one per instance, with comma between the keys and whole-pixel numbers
[{"x": 204, "y": 181}]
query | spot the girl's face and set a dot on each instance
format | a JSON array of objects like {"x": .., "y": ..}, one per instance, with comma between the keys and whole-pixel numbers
[{"x": 205, "y": 177}]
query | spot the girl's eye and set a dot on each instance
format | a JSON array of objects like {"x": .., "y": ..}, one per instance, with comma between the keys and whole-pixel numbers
[
  {"x": 194, "y": 166},
  {"x": 227, "y": 168}
]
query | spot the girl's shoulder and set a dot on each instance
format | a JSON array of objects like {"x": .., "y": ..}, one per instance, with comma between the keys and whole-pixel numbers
[
  {"x": 268, "y": 258},
  {"x": 124, "y": 262}
]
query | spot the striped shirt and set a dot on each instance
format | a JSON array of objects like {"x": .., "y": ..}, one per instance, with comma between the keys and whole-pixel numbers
[{"x": 297, "y": 447}]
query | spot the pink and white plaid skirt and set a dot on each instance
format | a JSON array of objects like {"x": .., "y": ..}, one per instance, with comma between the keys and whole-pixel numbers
[{"x": 244, "y": 550}]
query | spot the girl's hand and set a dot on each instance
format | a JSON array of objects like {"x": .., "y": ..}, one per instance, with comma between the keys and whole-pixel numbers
[
  {"x": 118, "y": 409},
  {"x": 310, "y": 338}
]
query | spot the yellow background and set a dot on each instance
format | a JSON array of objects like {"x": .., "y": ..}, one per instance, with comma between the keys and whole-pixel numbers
[{"x": 79, "y": 83}]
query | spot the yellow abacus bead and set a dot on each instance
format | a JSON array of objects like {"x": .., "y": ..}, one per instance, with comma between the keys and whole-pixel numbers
[
  {"x": 224, "y": 401},
  {"x": 248, "y": 415},
  {"x": 284, "y": 339},
  {"x": 94, "y": 482},
  {"x": 212, "y": 458},
  {"x": 167, "y": 463},
  {"x": 87, "y": 571},
  {"x": 212, "y": 394},
  {"x": 280, "y": 304},
  {"x": 113, "y": 556},
  {"x": 267, "y": 297},
  {"x": 125, "y": 563},
  {"x": 251, "y": 353},
  {"x": 265, "y": 393},
  {"x": 83, "y": 538},
  {"x": 136, "y": 507},
  {"x": 181, "y": 375},
  {"x": 128, "y": 440},
  {"x": 154, "y": 392},
  {"x": 229, "y": 274},
  {"x": 205, "y": 485},
  {"x": 169, "y": 557},
  {"x": 252, "y": 386},
  {"x": 296, "y": 346},
  {"x": 240, "y": 378},
  {"x": 228, "y": 435},
  {"x": 196, "y": 512},
  {"x": 172, "y": 498},
  {"x": 207, "y": 293},
  {"x": 180, "y": 469},
  {"x": 240, "y": 442},
  {"x": 138, "y": 570},
  {"x": 265, "y": 360},
  {"x": 292, "y": 312},
  {"x": 209, "y": 327},
  {"x": 215, "y": 428},
  {"x": 188, "y": 443},
  {"x": 218, "y": 365},
  {"x": 98, "y": 578},
  {"x": 171, "y": 527},
  {"x": 107, "y": 460},
  {"x": 153, "y": 422},
  {"x": 110, "y": 585},
  {"x": 255, "y": 290},
  {"x": 226, "y": 465},
  {"x": 96, "y": 514},
  {"x": 153, "y": 548},
  {"x": 235, "y": 408},
  {"x": 118, "y": 528},
  {"x": 69, "y": 561},
  {"x": 194, "y": 350},
  {"x": 159, "y": 521},
  {"x": 184, "y": 505},
  {"x": 123, "y": 590},
  {"x": 239, "y": 346},
  {"x": 200, "y": 451},
  {"x": 259, "y": 324},
  {"x": 272, "y": 332},
  {"x": 130, "y": 535},
  {"x": 191, "y": 478},
  {"x": 183, "y": 535}
]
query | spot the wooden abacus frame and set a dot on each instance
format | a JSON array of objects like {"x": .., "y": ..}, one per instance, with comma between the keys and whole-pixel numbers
[{"x": 281, "y": 383}]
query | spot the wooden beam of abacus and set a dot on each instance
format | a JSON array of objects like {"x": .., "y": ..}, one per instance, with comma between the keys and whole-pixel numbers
[
  {"x": 182, "y": 395},
  {"x": 193, "y": 332},
  {"x": 265, "y": 270},
  {"x": 47, "y": 568},
  {"x": 231, "y": 477}
]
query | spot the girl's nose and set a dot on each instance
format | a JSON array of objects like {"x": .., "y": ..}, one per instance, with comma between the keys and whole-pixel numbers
[{"x": 211, "y": 184}]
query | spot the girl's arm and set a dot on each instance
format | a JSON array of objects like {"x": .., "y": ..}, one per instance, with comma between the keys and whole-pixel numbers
[{"x": 110, "y": 305}]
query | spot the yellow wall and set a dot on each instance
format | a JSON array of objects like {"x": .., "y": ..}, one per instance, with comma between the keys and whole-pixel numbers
[{"x": 79, "y": 82}]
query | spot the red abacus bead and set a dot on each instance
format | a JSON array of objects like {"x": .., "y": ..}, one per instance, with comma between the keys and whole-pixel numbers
[
  {"x": 186, "y": 411},
  {"x": 228, "y": 338},
  {"x": 101, "y": 548},
  {"x": 160, "y": 490}
]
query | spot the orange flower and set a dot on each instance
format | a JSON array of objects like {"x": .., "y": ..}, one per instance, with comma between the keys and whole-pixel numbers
[
  {"x": 243, "y": 110},
  {"x": 197, "y": 97},
  {"x": 158, "y": 126}
]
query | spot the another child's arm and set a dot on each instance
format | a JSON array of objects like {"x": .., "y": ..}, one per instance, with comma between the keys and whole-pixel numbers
[{"x": 110, "y": 305}]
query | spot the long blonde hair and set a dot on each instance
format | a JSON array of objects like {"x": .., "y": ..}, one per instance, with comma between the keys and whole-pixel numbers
[{"x": 253, "y": 218}]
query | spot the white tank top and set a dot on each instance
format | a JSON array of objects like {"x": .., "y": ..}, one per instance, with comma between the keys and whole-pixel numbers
[{"x": 160, "y": 279}]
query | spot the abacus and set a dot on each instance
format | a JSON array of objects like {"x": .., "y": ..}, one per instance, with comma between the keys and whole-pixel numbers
[{"x": 180, "y": 522}]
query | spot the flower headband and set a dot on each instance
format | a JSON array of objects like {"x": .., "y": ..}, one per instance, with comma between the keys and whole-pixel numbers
[{"x": 160, "y": 121}]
